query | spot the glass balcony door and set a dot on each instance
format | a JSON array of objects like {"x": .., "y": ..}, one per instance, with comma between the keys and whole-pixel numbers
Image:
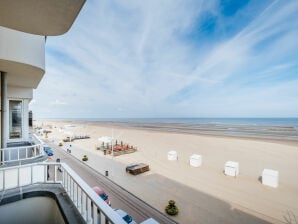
[{"x": 15, "y": 119}]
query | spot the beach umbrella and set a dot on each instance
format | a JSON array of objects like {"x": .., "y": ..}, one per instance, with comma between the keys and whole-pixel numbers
[
  {"x": 69, "y": 133},
  {"x": 105, "y": 139}
]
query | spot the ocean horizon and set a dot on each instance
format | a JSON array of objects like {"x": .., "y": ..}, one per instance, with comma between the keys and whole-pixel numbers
[
  {"x": 290, "y": 121},
  {"x": 276, "y": 128}
]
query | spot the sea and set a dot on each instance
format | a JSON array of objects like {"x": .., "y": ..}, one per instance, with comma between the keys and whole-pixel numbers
[{"x": 277, "y": 128}]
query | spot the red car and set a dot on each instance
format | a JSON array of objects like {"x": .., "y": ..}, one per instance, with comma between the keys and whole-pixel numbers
[{"x": 102, "y": 194}]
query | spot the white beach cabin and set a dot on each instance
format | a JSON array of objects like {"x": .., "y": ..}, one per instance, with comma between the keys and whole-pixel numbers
[
  {"x": 270, "y": 177},
  {"x": 195, "y": 160},
  {"x": 68, "y": 134},
  {"x": 232, "y": 168},
  {"x": 172, "y": 155}
]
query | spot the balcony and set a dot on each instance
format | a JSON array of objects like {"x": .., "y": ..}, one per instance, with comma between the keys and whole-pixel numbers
[
  {"x": 23, "y": 152},
  {"x": 85, "y": 201},
  {"x": 22, "y": 56}
]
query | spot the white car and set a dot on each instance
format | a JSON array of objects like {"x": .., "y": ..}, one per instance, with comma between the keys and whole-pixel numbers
[
  {"x": 126, "y": 217},
  {"x": 150, "y": 221}
]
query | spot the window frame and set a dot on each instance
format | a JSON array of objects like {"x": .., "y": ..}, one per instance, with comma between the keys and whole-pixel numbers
[{"x": 22, "y": 120}]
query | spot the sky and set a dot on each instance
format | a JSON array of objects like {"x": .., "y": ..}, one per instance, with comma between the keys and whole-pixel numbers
[{"x": 173, "y": 58}]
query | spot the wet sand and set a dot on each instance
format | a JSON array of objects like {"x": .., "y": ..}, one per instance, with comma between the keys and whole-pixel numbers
[{"x": 204, "y": 194}]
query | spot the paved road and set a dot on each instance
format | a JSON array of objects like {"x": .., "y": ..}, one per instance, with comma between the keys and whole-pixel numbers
[{"x": 119, "y": 197}]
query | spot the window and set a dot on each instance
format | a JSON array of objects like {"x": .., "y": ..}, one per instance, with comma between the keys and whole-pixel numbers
[{"x": 15, "y": 119}]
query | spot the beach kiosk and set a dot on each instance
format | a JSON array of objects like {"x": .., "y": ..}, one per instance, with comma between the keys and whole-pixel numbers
[
  {"x": 172, "y": 155},
  {"x": 195, "y": 160},
  {"x": 270, "y": 177},
  {"x": 232, "y": 168}
]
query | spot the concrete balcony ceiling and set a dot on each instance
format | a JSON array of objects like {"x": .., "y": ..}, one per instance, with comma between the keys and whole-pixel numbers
[
  {"x": 22, "y": 56},
  {"x": 42, "y": 17},
  {"x": 22, "y": 75}
]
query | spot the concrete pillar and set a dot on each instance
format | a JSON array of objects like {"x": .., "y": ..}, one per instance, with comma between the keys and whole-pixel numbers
[{"x": 3, "y": 110}]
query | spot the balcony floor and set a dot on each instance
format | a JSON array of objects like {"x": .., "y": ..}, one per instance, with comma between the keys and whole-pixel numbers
[{"x": 54, "y": 191}]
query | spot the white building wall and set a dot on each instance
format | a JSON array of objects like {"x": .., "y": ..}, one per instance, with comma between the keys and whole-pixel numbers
[
  {"x": 22, "y": 57},
  {"x": 19, "y": 92},
  {"x": 22, "y": 48}
]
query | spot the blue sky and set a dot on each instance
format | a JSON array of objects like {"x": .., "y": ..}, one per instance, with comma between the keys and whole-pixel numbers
[{"x": 174, "y": 58}]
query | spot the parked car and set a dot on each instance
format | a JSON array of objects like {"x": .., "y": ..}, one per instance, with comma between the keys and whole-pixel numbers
[
  {"x": 48, "y": 150},
  {"x": 126, "y": 217},
  {"x": 102, "y": 194}
]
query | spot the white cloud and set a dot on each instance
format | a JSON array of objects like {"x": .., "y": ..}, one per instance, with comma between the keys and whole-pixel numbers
[
  {"x": 58, "y": 102},
  {"x": 131, "y": 55},
  {"x": 120, "y": 109}
]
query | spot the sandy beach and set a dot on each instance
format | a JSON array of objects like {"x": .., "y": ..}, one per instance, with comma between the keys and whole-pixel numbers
[{"x": 203, "y": 194}]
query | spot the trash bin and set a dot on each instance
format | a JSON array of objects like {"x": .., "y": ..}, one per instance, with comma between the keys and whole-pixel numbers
[
  {"x": 107, "y": 173},
  {"x": 57, "y": 160}
]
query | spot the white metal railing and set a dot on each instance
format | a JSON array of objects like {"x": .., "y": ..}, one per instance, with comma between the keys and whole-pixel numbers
[
  {"x": 92, "y": 208},
  {"x": 36, "y": 139},
  {"x": 13, "y": 154}
]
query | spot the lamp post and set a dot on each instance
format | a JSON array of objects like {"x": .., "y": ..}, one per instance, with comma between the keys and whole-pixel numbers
[
  {"x": 112, "y": 148},
  {"x": 112, "y": 143}
]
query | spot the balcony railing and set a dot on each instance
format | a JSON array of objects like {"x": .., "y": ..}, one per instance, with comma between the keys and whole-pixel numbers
[
  {"x": 12, "y": 154},
  {"x": 92, "y": 208}
]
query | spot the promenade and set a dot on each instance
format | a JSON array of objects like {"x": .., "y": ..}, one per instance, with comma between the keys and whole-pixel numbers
[{"x": 119, "y": 197}]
